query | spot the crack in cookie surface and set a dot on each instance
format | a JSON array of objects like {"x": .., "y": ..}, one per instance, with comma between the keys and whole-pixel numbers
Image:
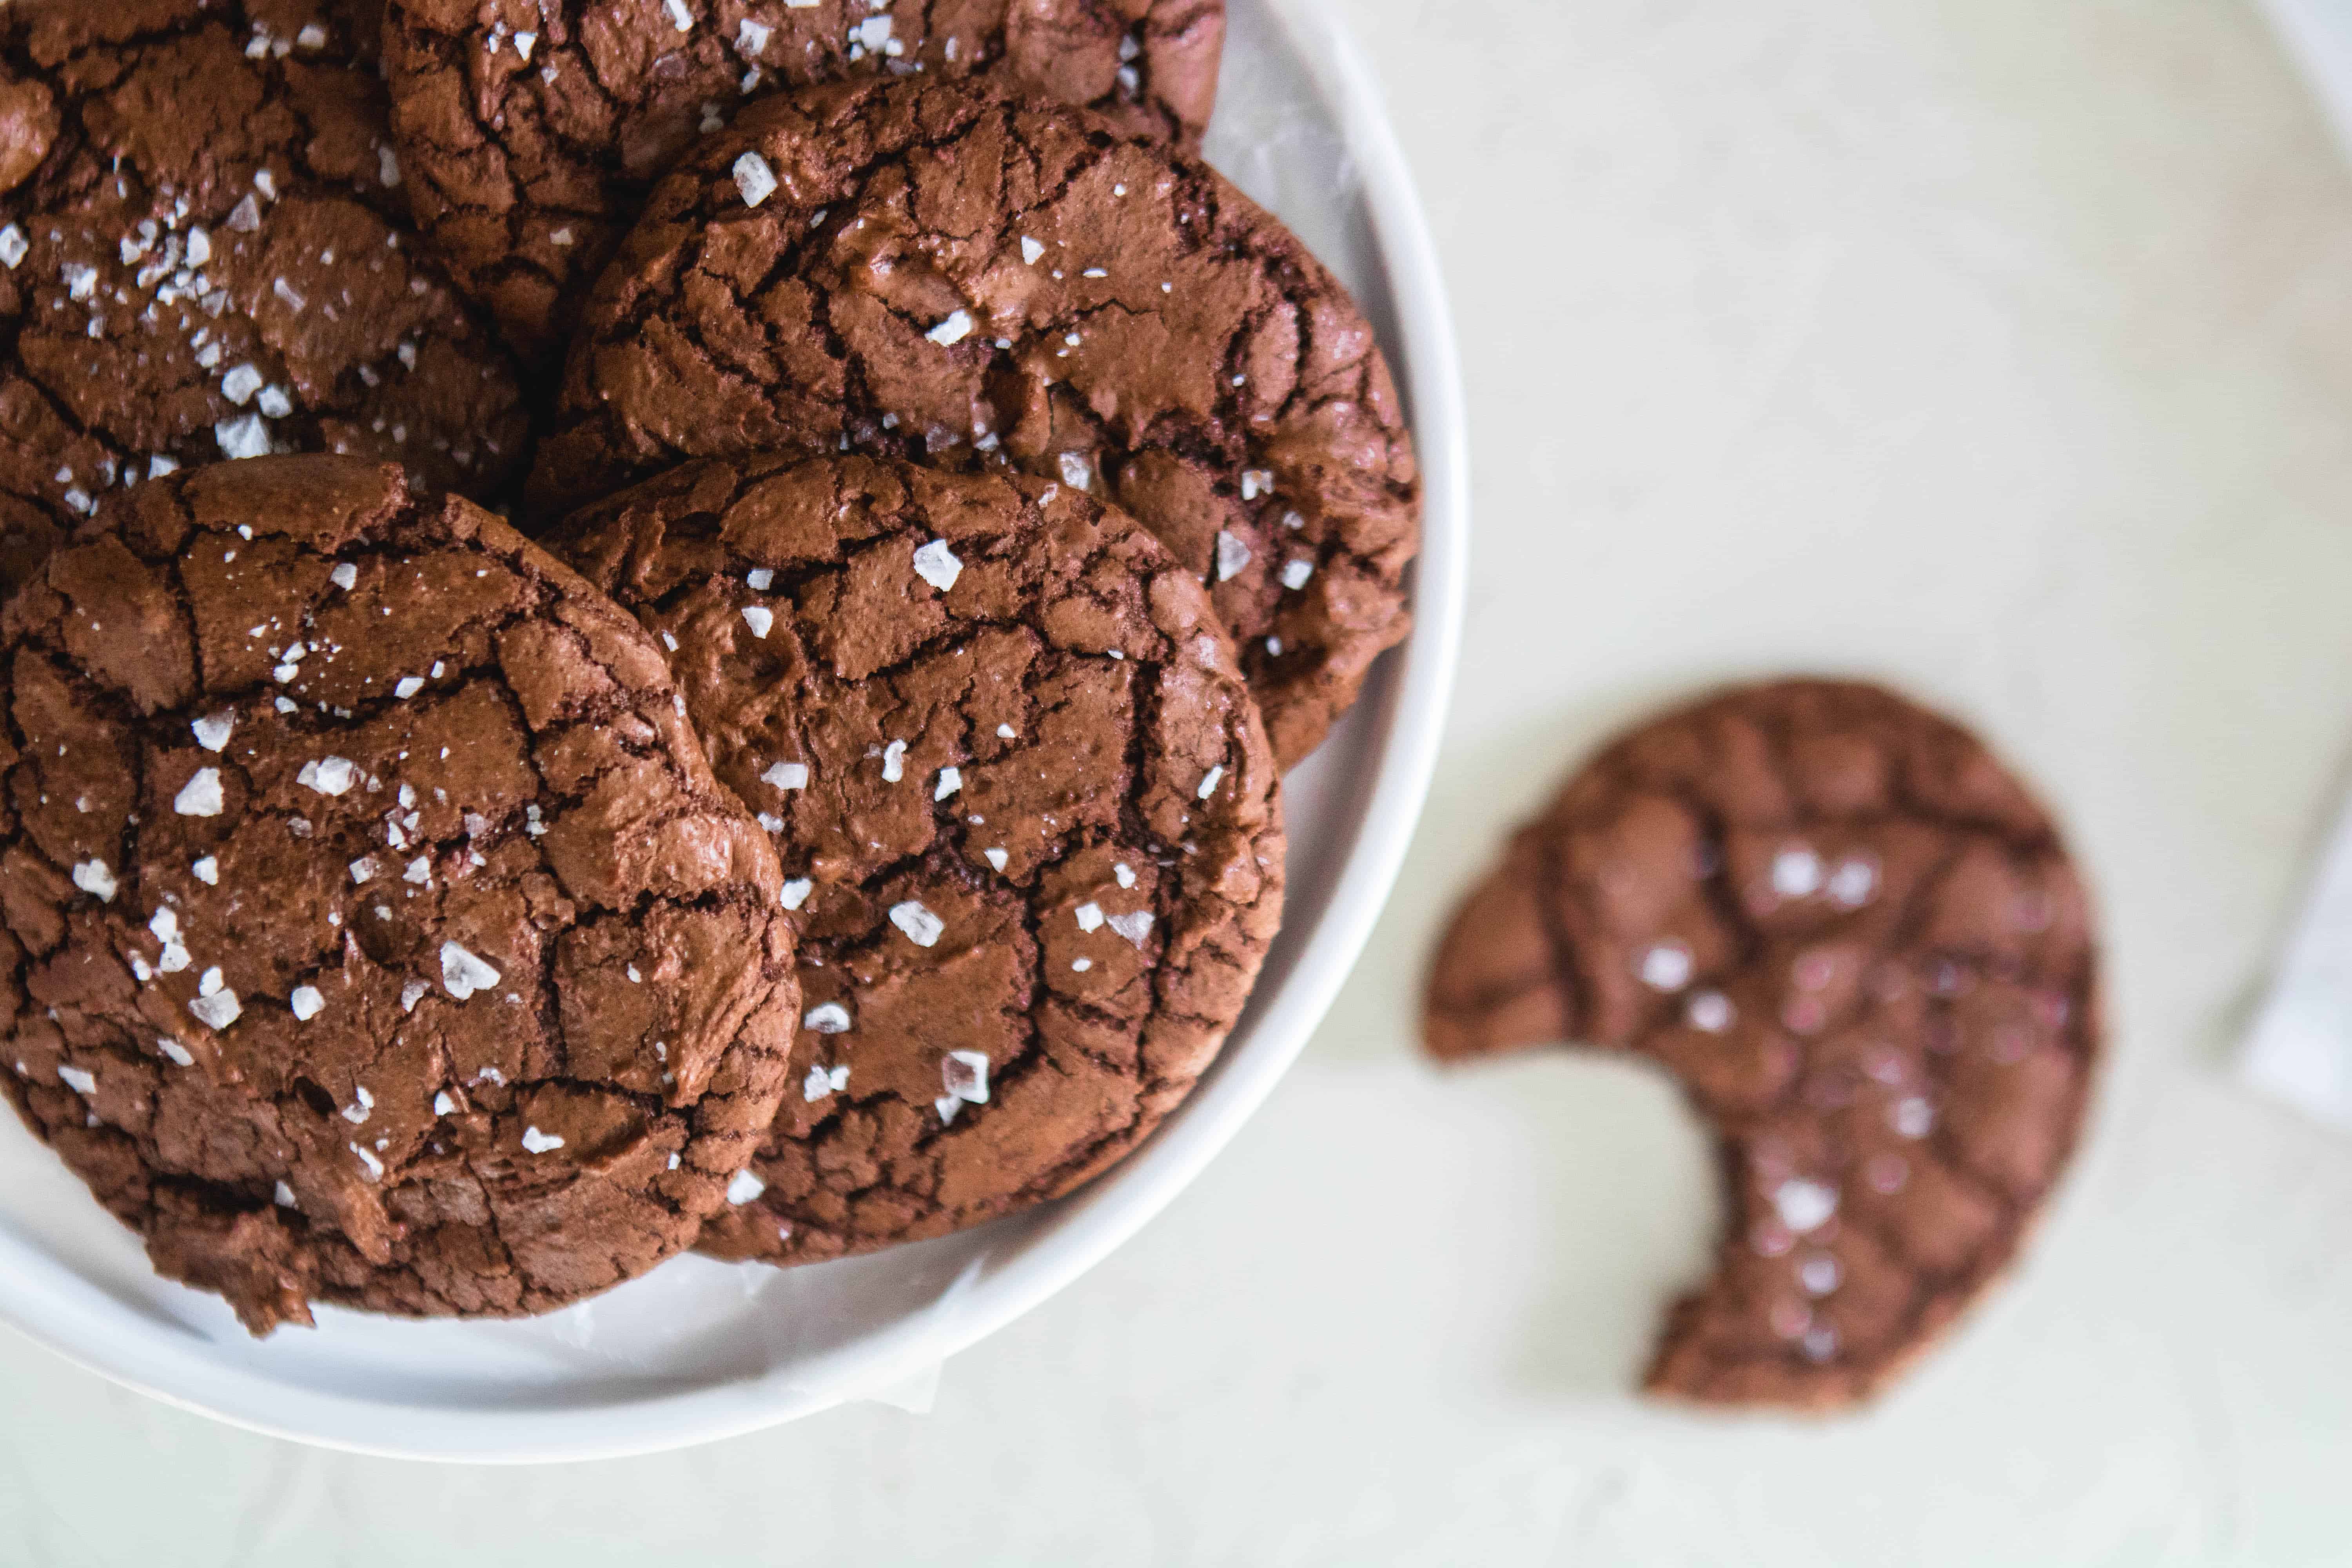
[
  {"x": 1863, "y": 951},
  {"x": 1024, "y": 808},
  {"x": 205, "y": 254},
  {"x": 376, "y": 932},
  {"x": 944, "y": 274},
  {"x": 534, "y": 128}
]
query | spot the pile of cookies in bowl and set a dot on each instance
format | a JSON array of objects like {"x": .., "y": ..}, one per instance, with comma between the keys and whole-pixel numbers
[{"x": 646, "y": 625}]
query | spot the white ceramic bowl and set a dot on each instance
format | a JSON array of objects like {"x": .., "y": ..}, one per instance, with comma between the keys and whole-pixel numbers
[{"x": 701, "y": 1350}]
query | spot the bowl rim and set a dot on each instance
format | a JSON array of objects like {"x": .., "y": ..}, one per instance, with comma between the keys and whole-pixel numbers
[{"x": 75, "y": 1318}]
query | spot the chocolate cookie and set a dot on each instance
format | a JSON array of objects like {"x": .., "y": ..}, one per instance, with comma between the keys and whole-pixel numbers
[
  {"x": 203, "y": 255},
  {"x": 375, "y": 931},
  {"x": 533, "y": 127},
  {"x": 926, "y": 270},
  {"x": 1026, "y": 811},
  {"x": 1861, "y": 950}
]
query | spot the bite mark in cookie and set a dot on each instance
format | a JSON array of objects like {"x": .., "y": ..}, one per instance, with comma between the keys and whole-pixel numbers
[{"x": 1863, "y": 951}]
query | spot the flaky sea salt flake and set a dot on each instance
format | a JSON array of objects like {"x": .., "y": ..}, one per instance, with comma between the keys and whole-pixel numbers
[
  {"x": 245, "y": 436},
  {"x": 753, "y": 179},
  {"x": 921, "y": 927},
  {"x": 1232, "y": 555},
  {"x": 1854, "y": 881},
  {"x": 1805, "y": 1205},
  {"x": 216, "y": 1009},
  {"x": 937, "y": 564},
  {"x": 201, "y": 795},
  {"x": 462, "y": 974},
  {"x": 1796, "y": 873},
  {"x": 1666, "y": 966},
  {"x": 964, "y": 1074},
  {"x": 1708, "y": 1011},
  {"x": 331, "y": 776}
]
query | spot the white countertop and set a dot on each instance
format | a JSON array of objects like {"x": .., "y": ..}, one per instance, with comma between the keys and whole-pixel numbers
[{"x": 2000, "y": 348}]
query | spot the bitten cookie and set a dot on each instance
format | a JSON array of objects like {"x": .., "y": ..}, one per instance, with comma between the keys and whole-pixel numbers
[
  {"x": 1861, "y": 950},
  {"x": 532, "y": 129},
  {"x": 930, "y": 270},
  {"x": 376, "y": 931},
  {"x": 204, "y": 255},
  {"x": 1024, "y": 806}
]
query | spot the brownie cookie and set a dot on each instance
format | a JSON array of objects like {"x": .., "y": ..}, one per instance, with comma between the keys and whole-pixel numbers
[
  {"x": 533, "y": 127},
  {"x": 375, "y": 931},
  {"x": 203, "y": 255},
  {"x": 933, "y": 271},
  {"x": 1861, "y": 950},
  {"x": 1024, "y": 807}
]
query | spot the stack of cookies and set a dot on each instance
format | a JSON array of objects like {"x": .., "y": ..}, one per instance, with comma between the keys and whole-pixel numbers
[{"x": 646, "y": 625}]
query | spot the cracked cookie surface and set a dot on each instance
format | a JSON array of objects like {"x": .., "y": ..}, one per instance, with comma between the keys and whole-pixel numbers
[
  {"x": 532, "y": 128},
  {"x": 375, "y": 931},
  {"x": 205, "y": 254},
  {"x": 931, "y": 270},
  {"x": 1861, "y": 950},
  {"x": 1024, "y": 807}
]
